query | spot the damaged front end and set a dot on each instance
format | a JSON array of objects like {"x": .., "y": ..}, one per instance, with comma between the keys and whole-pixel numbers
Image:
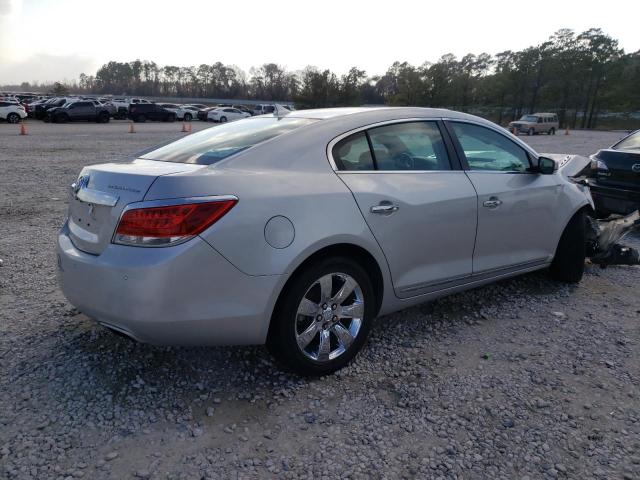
[{"x": 604, "y": 236}]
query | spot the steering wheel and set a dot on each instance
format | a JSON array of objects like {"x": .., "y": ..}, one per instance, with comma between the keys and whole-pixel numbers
[{"x": 404, "y": 161}]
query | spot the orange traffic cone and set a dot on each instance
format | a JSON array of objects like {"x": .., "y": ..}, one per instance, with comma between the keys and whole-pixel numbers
[
  {"x": 184, "y": 128},
  {"x": 131, "y": 128},
  {"x": 23, "y": 128}
]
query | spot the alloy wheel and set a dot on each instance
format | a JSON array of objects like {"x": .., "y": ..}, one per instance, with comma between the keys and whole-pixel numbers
[{"x": 329, "y": 317}]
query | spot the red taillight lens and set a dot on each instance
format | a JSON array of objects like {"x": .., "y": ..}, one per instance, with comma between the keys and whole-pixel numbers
[{"x": 167, "y": 225}]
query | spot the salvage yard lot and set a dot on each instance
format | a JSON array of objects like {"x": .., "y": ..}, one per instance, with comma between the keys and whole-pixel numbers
[{"x": 524, "y": 378}]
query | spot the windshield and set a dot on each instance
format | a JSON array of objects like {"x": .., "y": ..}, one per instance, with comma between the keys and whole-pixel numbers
[
  {"x": 529, "y": 118},
  {"x": 632, "y": 142},
  {"x": 217, "y": 143}
]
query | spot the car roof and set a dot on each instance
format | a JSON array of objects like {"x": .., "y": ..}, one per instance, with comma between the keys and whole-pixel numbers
[{"x": 366, "y": 115}]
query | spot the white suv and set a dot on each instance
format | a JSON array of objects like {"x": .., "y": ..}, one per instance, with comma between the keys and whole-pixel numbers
[{"x": 12, "y": 111}]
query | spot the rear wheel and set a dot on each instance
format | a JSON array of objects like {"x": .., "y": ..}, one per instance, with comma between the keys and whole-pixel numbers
[
  {"x": 531, "y": 131},
  {"x": 223, "y": 119},
  {"x": 187, "y": 117},
  {"x": 323, "y": 317},
  {"x": 13, "y": 118},
  {"x": 568, "y": 262}
]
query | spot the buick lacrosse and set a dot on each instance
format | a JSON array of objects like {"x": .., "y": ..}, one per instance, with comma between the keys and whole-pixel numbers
[{"x": 297, "y": 230}]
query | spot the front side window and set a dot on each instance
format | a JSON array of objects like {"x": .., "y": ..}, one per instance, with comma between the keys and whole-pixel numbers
[
  {"x": 409, "y": 146},
  {"x": 489, "y": 150}
]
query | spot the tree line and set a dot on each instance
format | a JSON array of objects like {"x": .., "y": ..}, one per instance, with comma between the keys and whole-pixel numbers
[{"x": 581, "y": 76}]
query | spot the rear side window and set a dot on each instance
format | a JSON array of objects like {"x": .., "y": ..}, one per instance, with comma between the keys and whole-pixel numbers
[
  {"x": 353, "y": 153},
  {"x": 214, "y": 144},
  {"x": 416, "y": 146},
  {"x": 409, "y": 146},
  {"x": 485, "y": 149}
]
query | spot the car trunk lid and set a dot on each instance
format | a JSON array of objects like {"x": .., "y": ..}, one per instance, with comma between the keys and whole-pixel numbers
[
  {"x": 624, "y": 169},
  {"x": 102, "y": 191}
]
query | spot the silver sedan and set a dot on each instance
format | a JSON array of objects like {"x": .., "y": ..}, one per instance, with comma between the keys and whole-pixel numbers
[{"x": 298, "y": 229}]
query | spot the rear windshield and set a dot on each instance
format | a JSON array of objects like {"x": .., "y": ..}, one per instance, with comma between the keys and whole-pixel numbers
[
  {"x": 217, "y": 143},
  {"x": 632, "y": 142}
]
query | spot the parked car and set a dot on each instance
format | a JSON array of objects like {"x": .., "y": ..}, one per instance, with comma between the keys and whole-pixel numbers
[
  {"x": 123, "y": 104},
  {"x": 263, "y": 109},
  {"x": 12, "y": 112},
  {"x": 224, "y": 115},
  {"x": 182, "y": 113},
  {"x": 198, "y": 106},
  {"x": 90, "y": 110},
  {"x": 536, "y": 123},
  {"x": 142, "y": 112},
  {"x": 243, "y": 108},
  {"x": 42, "y": 109},
  {"x": 615, "y": 172},
  {"x": 109, "y": 107},
  {"x": 203, "y": 114},
  {"x": 193, "y": 110},
  {"x": 298, "y": 230}
]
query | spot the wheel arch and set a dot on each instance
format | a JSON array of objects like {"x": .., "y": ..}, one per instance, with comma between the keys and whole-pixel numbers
[{"x": 348, "y": 250}]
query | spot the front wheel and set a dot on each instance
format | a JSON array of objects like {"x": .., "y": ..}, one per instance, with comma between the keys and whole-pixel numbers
[
  {"x": 323, "y": 317},
  {"x": 13, "y": 118},
  {"x": 187, "y": 117},
  {"x": 568, "y": 262}
]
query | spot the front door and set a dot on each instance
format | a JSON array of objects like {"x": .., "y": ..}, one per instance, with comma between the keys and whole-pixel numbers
[
  {"x": 420, "y": 208},
  {"x": 516, "y": 207}
]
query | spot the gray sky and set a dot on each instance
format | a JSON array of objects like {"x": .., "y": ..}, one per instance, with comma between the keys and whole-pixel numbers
[{"x": 59, "y": 39}]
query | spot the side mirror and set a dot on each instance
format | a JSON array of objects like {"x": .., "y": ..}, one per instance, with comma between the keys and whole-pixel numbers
[{"x": 546, "y": 166}]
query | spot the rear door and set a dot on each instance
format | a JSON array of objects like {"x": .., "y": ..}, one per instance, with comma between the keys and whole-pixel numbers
[
  {"x": 516, "y": 208},
  {"x": 418, "y": 203}
]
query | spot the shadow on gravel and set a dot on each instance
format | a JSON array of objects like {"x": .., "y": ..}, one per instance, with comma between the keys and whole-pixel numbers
[{"x": 108, "y": 372}]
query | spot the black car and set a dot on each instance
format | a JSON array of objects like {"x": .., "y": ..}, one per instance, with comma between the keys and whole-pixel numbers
[
  {"x": 90, "y": 110},
  {"x": 141, "y": 112},
  {"x": 615, "y": 172},
  {"x": 202, "y": 114}
]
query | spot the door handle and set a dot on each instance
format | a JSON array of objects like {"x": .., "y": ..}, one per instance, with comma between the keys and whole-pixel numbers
[
  {"x": 493, "y": 202},
  {"x": 384, "y": 208}
]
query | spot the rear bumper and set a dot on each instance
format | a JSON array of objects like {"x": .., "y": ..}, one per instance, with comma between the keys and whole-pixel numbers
[
  {"x": 614, "y": 200},
  {"x": 183, "y": 295}
]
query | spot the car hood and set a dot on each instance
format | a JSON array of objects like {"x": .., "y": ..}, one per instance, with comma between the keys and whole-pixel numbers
[{"x": 570, "y": 165}]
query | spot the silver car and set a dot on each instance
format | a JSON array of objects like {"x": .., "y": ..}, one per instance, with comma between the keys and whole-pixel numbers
[{"x": 298, "y": 230}]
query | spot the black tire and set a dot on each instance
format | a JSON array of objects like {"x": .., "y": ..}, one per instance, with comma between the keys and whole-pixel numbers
[
  {"x": 223, "y": 119},
  {"x": 282, "y": 342},
  {"x": 568, "y": 262},
  {"x": 531, "y": 132},
  {"x": 187, "y": 117},
  {"x": 13, "y": 118}
]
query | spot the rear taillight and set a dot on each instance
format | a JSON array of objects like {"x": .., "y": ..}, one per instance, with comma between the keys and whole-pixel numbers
[{"x": 169, "y": 225}]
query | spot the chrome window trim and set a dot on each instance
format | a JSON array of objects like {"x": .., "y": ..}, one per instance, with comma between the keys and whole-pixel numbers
[{"x": 333, "y": 142}]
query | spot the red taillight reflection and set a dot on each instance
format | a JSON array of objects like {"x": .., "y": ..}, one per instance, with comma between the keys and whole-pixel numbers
[{"x": 174, "y": 220}]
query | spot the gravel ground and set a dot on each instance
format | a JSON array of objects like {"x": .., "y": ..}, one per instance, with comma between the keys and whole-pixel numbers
[{"x": 527, "y": 378}]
